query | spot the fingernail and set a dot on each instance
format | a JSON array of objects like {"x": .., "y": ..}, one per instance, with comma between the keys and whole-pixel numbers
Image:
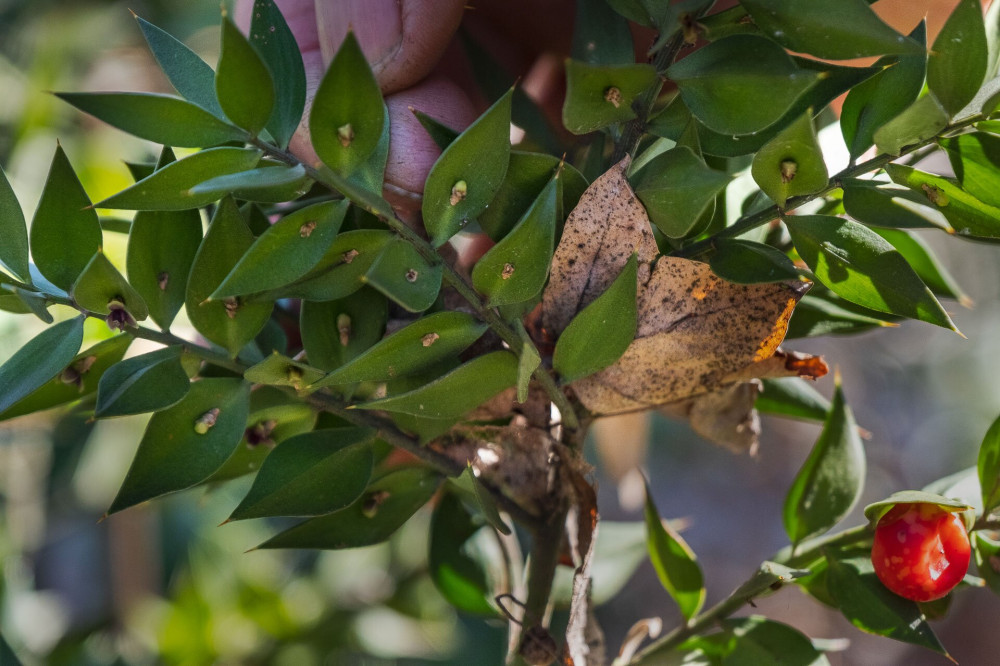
[{"x": 377, "y": 24}]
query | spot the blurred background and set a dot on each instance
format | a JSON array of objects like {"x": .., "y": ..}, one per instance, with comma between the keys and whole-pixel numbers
[{"x": 161, "y": 583}]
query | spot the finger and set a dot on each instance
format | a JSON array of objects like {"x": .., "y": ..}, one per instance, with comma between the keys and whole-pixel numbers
[{"x": 402, "y": 39}]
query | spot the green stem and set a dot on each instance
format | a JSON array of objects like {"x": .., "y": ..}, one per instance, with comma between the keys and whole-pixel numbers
[{"x": 748, "y": 222}]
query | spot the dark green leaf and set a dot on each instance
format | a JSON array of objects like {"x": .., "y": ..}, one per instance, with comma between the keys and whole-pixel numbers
[
  {"x": 741, "y": 84},
  {"x": 65, "y": 231},
  {"x": 975, "y": 159},
  {"x": 791, "y": 164},
  {"x": 920, "y": 258},
  {"x": 872, "y": 608},
  {"x": 404, "y": 276},
  {"x": 78, "y": 380},
  {"x": 39, "y": 360},
  {"x": 600, "y": 333},
  {"x": 146, "y": 383},
  {"x": 527, "y": 176},
  {"x": 989, "y": 468},
  {"x": 387, "y": 503},
  {"x": 339, "y": 273},
  {"x": 827, "y": 314},
  {"x": 956, "y": 65},
  {"x": 875, "y": 510},
  {"x": 674, "y": 562},
  {"x": 158, "y": 118},
  {"x": 347, "y": 113},
  {"x": 243, "y": 82},
  {"x": 336, "y": 332},
  {"x": 460, "y": 578},
  {"x": 967, "y": 214},
  {"x": 879, "y": 205},
  {"x": 834, "y": 29},
  {"x": 230, "y": 323},
  {"x": 601, "y": 95},
  {"x": 271, "y": 37},
  {"x": 191, "y": 76},
  {"x": 169, "y": 188},
  {"x": 830, "y": 482},
  {"x": 920, "y": 121},
  {"x": 862, "y": 267},
  {"x": 286, "y": 251},
  {"x": 677, "y": 189},
  {"x": 161, "y": 249},
  {"x": 411, "y": 350},
  {"x": 457, "y": 392},
  {"x": 185, "y": 444},
  {"x": 272, "y": 183},
  {"x": 441, "y": 134},
  {"x": 756, "y": 640},
  {"x": 14, "y": 249},
  {"x": 873, "y": 103},
  {"x": 463, "y": 181},
  {"x": 792, "y": 397},
  {"x": 746, "y": 262},
  {"x": 311, "y": 475},
  {"x": 472, "y": 489},
  {"x": 101, "y": 287},
  {"x": 515, "y": 269},
  {"x": 600, "y": 35},
  {"x": 279, "y": 370},
  {"x": 987, "y": 553},
  {"x": 30, "y": 301}
]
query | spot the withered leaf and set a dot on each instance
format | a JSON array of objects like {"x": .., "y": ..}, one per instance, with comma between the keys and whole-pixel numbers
[
  {"x": 606, "y": 227},
  {"x": 726, "y": 417}
]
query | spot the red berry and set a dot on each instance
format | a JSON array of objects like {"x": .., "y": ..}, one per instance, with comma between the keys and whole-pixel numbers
[{"x": 921, "y": 551}]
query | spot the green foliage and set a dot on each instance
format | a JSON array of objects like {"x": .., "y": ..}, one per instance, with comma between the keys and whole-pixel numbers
[
  {"x": 142, "y": 384},
  {"x": 674, "y": 562}
]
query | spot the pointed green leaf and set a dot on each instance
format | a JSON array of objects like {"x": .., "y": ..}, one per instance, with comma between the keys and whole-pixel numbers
[
  {"x": 758, "y": 640},
  {"x": 141, "y": 384},
  {"x": 370, "y": 174},
  {"x": 927, "y": 267},
  {"x": 161, "y": 249},
  {"x": 341, "y": 271},
  {"x": 527, "y": 175},
  {"x": 286, "y": 251},
  {"x": 39, "y": 360},
  {"x": 515, "y": 269},
  {"x": 746, "y": 262},
  {"x": 279, "y": 370},
  {"x": 274, "y": 41},
  {"x": 383, "y": 508},
  {"x": 792, "y": 397},
  {"x": 29, "y": 301},
  {"x": 468, "y": 174},
  {"x": 404, "y": 276},
  {"x": 185, "y": 444},
  {"x": 230, "y": 323},
  {"x": 674, "y": 562},
  {"x": 967, "y": 214},
  {"x": 741, "y": 84},
  {"x": 347, "y": 113},
  {"x": 469, "y": 487},
  {"x": 14, "y": 249},
  {"x": 78, "y": 380},
  {"x": 834, "y": 29},
  {"x": 989, "y": 467},
  {"x": 191, "y": 76},
  {"x": 441, "y": 134},
  {"x": 273, "y": 183},
  {"x": 243, "y": 82},
  {"x": 310, "y": 475},
  {"x": 872, "y": 608},
  {"x": 956, "y": 65},
  {"x": 601, "y": 95},
  {"x": 457, "y": 392},
  {"x": 825, "y": 313},
  {"x": 830, "y": 482},
  {"x": 879, "y": 205},
  {"x": 884, "y": 96},
  {"x": 158, "y": 118},
  {"x": 920, "y": 121},
  {"x": 791, "y": 164},
  {"x": 65, "y": 231},
  {"x": 975, "y": 159},
  {"x": 169, "y": 188},
  {"x": 100, "y": 284},
  {"x": 336, "y": 332},
  {"x": 987, "y": 553},
  {"x": 600, "y": 333},
  {"x": 410, "y": 350},
  {"x": 460, "y": 577},
  {"x": 677, "y": 189},
  {"x": 862, "y": 267}
]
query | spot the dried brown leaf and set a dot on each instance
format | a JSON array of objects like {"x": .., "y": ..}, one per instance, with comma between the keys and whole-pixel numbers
[{"x": 726, "y": 417}]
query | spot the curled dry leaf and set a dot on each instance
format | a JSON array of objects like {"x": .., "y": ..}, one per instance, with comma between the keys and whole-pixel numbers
[
  {"x": 697, "y": 334},
  {"x": 585, "y": 645}
]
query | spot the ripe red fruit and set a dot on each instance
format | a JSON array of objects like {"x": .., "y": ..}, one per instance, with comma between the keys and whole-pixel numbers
[{"x": 921, "y": 551}]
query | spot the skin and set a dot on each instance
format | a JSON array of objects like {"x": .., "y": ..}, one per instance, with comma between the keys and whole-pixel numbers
[{"x": 921, "y": 552}]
